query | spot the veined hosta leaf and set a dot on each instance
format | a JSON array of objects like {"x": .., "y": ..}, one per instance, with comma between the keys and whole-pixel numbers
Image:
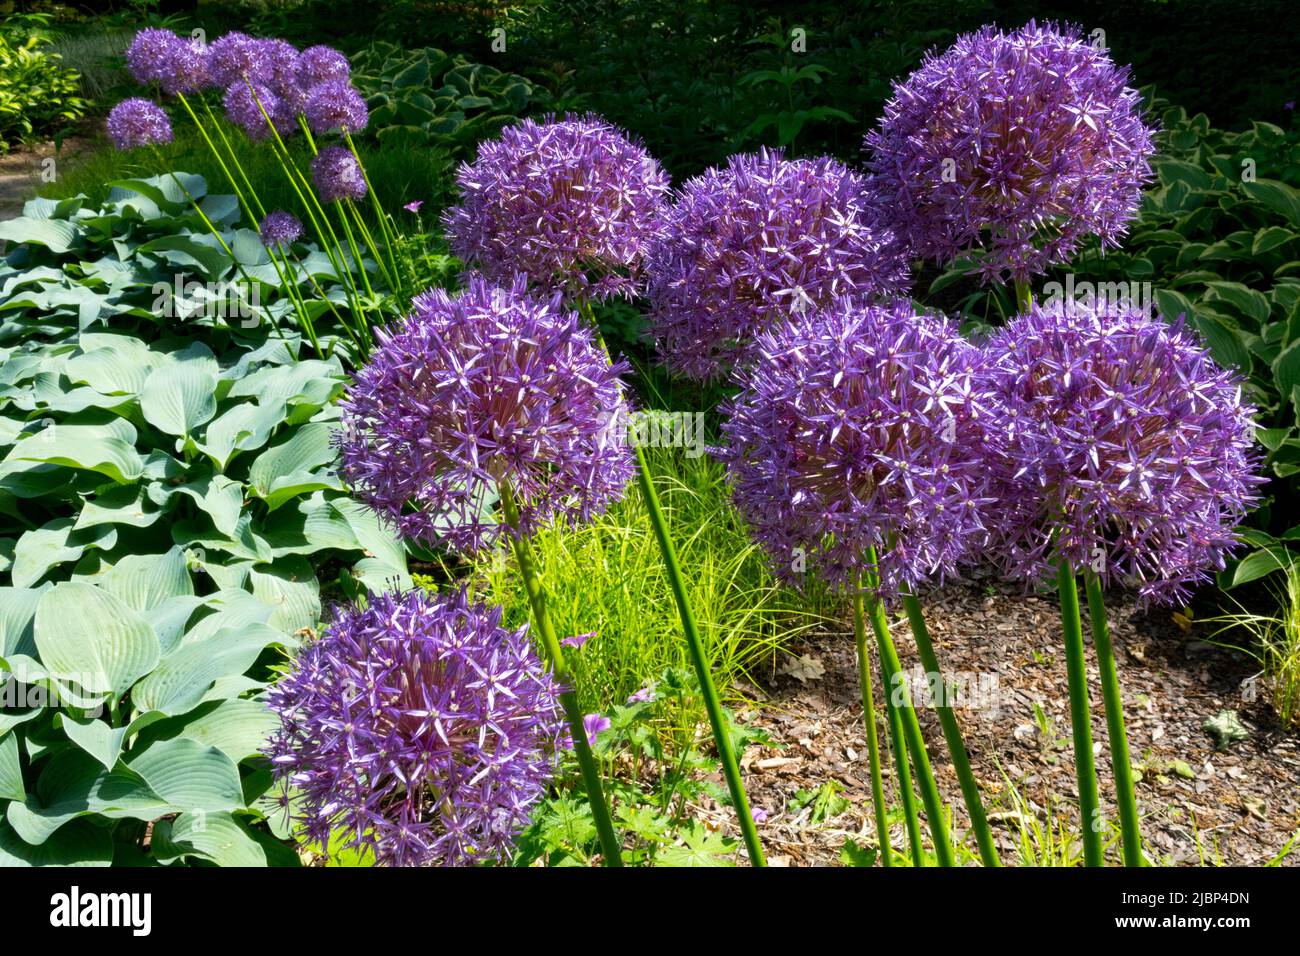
[
  {"x": 95, "y": 737},
  {"x": 169, "y": 618},
  {"x": 242, "y": 428},
  {"x": 180, "y": 680},
  {"x": 11, "y": 771},
  {"x": 237, "y": 727},
  {"x": 112, "y": 364},
  {"x": 78, "y": 844},
  {"x": 234, "y": 608},
  {"x": 58, "y": 542},
  {"x": 74, "y": 784},
  {"x": 189, "y": 776},
  {"x": 217, "y": 837},
  {"x": 86, "y": 635},
  {"x": 123, "y": 505},
  {"x": 290, "y": 587},
  {"x": 17, "y": 614},
  {"x": 55, "y": 235},
  {"x": 288, "y": 469},
  {"x": 219, "y": 497},
  {"x": 108, "y": 449},
  {"x": 178, "y": 398},
  {"x": 143, "y": 582}
]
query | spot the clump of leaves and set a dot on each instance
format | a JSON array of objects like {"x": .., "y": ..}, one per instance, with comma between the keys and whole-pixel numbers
[{"x": 38, "y": 94}]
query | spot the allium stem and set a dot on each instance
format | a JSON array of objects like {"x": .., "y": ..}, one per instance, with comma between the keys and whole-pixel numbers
[
  {"x": 609, "y": 843},
  {"x": 1080, "y": 720},
  {"x": 1024, "y": 296},
  {"x": 952, "y": 734},
  {"x": 699, "y": 657},
  {"x": 1114, "y": 706},
  {"x": 906, "y": 796},
  {"x": 869, "y": 720},
  {"x": 911, "y": 726}
]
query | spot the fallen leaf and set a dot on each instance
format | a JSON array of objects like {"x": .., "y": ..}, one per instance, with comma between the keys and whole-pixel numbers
[{"x": 803, "y": 668}]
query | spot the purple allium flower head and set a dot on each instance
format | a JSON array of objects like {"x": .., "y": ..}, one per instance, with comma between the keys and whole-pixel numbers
[
  {"x": 594, "y": 725},
  {"x": 138, "y": 122},
  {"x": 571, "y": 203},
  {"x": 1123, "y": 448},
  {"x": 420, "y": 727},
  {"x": 186, "y": 68},
  {"x": 248, "y": 105},
  {"x": 333, "y": 105},
  {"x": 236, "y": 57},
  {"x": 281, "y": 72},
  {"x": 149, "y": 56},
  {"x": 755, "y": 243},
  {"x": 494, "y": 384},
  {"x": 861, "y": 425},
  {"x": 337, "y": 174},
  {"x": 1019, "y": 143},
  {"x": 317, "y": 64},
  {"x": 280, "y": 228}
]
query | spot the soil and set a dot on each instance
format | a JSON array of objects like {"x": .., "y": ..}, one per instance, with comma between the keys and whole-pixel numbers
[
  {"x": 22, "y": 169},
  {"x": 1199, "y": 804}
]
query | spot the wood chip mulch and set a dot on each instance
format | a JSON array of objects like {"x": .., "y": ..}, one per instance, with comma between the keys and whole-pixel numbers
[{"x": 1240, "y": 806}]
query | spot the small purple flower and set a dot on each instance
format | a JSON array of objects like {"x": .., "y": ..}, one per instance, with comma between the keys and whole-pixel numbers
[
  {"x": 861, "y": 426},
  {"x": 1123, "y": 448},
  {"x": 419, "y": 729},
  {"x": 594, "y": 725},
  {"x": 333, "y": 105},
  {"x": 138, "y": 122},
  {"x": 149, "y": 56},
  {"x": 1289, "y": 105},
  {"x": 495, "y": 385},
  {"x": 1019, "y": 144},
  {"x": 337, "y": 175},
  {"x": 577, "y": 640},
  {"x": 751, "y": 245},
  {"x": 758, "y": 814},
  {"x": 643, "y": 696},
  {"x": 237, "y": 57},
  {"x": 572, "y": 203},
  {"x": 280, "y": 228},
  {"x": 248, "y": 105},
  {"x": 414, "y": 206},
  {"x": 319, "y": 64}
]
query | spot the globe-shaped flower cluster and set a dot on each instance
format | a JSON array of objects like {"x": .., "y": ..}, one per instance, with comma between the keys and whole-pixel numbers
[
  {"x": 748, "y": 246},
  {"x": 572, "y": 203},
  {"x": 1123, "y": 448},
  {"x": 138, "y": 122},
  {"x": 337, "y": 175},
  {"x": 861, "y": 425},
  {"x": 1019, "y": 143},
  {"x": 280, "y": 228},
  {"x": 493, "y": 385},
  {"x": 420, "y": 728}
]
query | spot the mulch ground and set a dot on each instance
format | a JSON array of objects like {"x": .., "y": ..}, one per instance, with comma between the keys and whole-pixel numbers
[{"x": 1238, "y": 806}]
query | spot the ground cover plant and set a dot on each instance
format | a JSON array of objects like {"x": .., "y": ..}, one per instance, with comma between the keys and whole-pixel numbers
[{"x": 407, "y": 460}]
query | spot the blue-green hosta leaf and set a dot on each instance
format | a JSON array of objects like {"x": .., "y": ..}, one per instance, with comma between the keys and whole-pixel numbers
[
  {"x": 178, "y": 398},
  {"x": 179, "y": 682},
  {"x": 53, "y": 234},
  {"x": 17, "y": 617},
  {"x": 121, "y": 505},
  {"x": 290, "y": 587},
  {"x": 11, "y": 770},
  {"x": 144, "y": 582},
  {"x": 189, "y": 776},
  {"x": 188, "y": 252},
  {"x": 171, "y": 192},
  {"x": 87, "y": 635},
  {"x": 108, "y": 449},
  {"x": 288, "y": 469},
  {"x": 1286, "y": 368},
  {"x": 74, "y": 784},
  {"x": 219, "y": 497},
  {"x": 244, "y": 427},
  {"x": 170, "y": 618},
  {"x": 380, "y": 576},
  {"x": 311, "y": 382},
  {"x": 78, "y": 844},
  {"x": 37, "y": 552},
  {"x": 237, "y": 727},
  {"x": 95, "y": 737},
  {"x": 112, "y": 364},
  {"x": 235, "y": 609},
  {"x": 216, "y": 837},
  {"x": 243, "y": 544}
]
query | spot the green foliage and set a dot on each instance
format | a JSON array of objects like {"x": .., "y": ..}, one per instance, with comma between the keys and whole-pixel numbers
[
  {"x": 607, "y": 577},
  {"x": 652, "y": 798},
  {"x": 38, "y": 94},
  {"x": 430, "y": 98},
  {"x": 166, "y": 497}
]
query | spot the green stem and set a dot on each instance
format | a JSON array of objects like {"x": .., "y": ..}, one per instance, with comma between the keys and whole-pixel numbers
[
  {"x": 1024, "y": 296},
  {"x": 970, "y": 790},
  {"x": 568, "y": 699},
  {"x": 1114, "y": 707},
  {"x": 1080, "y": 719},
  {"x": 911, "y": 726},
  {"x": 869, "y": 720},
  {"x": 912, "y": 819},
  {"x": 699, "y": 657}
]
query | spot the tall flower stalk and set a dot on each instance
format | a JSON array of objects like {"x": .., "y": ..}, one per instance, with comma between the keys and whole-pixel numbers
[
  {"x": 573, "y": 204},
  {"x": 1128, "y": 455},
  {"x": 494, "y": 394}
]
